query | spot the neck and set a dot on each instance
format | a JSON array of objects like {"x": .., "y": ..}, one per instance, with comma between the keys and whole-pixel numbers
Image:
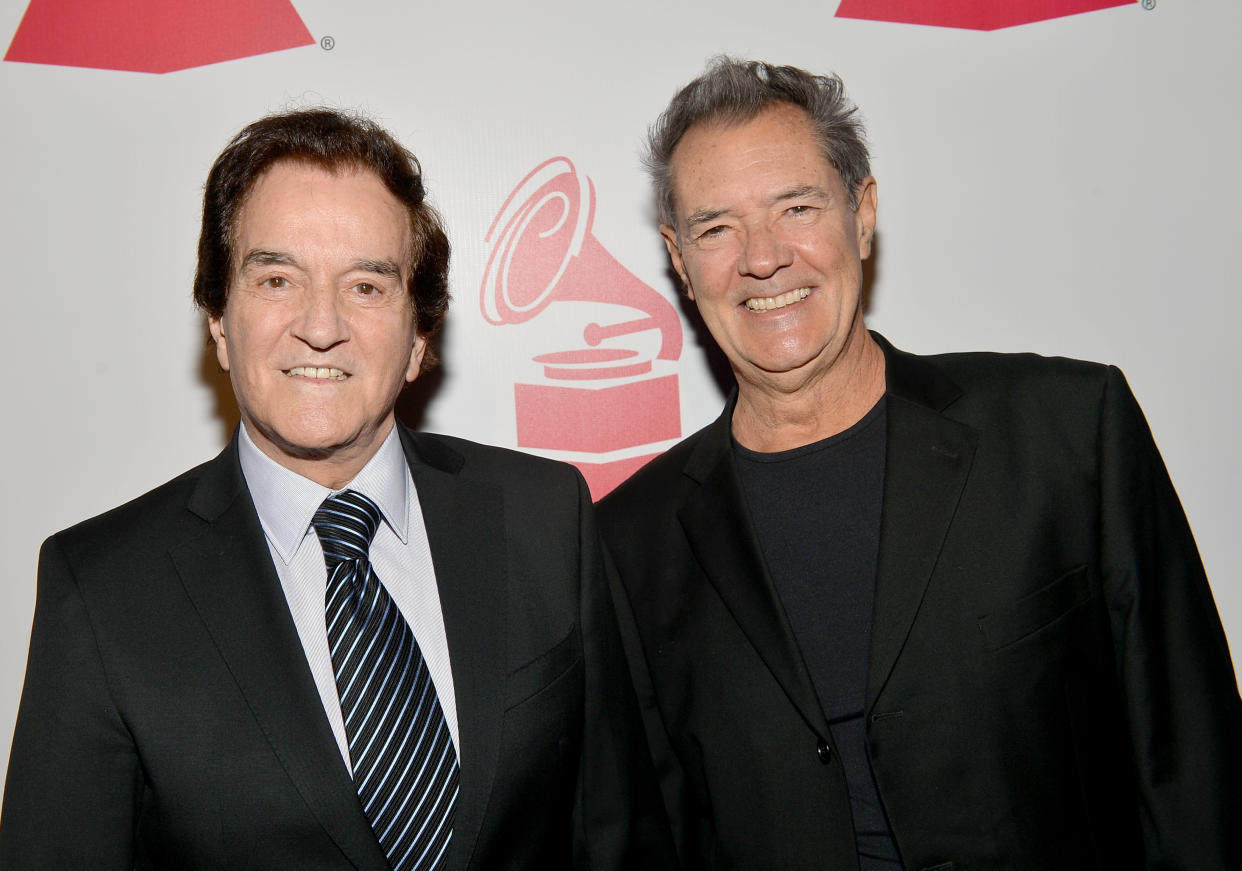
[
  {"x": 768, "y": 419},
  {"x": 331, "y": 467}
]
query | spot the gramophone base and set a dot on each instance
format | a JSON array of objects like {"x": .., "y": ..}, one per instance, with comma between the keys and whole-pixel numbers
[{"x": 597, "y": 420}]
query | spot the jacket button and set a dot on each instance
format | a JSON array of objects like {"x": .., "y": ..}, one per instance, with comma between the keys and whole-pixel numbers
[{"x": 823, "y": 751}]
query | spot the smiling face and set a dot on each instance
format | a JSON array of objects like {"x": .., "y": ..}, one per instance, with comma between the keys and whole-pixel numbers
[
  {"x": 318, "y": 333},
  {"x": 770, "y": 250}
]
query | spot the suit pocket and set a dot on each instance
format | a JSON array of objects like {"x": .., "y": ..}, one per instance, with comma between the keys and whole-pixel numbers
[
  {"x": 1032, "y": 613},
  {"x": 542, "y": 671}
]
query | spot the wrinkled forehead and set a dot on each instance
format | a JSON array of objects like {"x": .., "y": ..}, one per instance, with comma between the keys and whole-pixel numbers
[
  {"x": 336, "y": 169},
  {"x": 732, "y": 148}
]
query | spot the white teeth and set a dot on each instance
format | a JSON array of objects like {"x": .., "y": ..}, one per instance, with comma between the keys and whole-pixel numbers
[
  {"x": 767, "y": 303},
  {"x": 317, "y": 372}
]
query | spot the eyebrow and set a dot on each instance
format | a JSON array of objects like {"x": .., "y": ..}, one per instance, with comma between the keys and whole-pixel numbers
[
  {"x": 704, "y": 216},
  {"x": 386, "y": 268},
  {"x": 802, "y": 190},
  {"x": 261, "y": 258}
]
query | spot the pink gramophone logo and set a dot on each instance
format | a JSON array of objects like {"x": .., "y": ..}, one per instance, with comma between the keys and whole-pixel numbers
[{"x": 602, "y": 396}]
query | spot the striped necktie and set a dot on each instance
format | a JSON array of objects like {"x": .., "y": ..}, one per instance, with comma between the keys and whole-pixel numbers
[{"x": 405, "y": 767}]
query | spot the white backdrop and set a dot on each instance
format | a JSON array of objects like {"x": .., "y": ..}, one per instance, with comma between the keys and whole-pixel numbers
[{"x": 1066, "y": 187}]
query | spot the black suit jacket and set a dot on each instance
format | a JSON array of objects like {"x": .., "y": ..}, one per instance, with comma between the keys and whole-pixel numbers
[
  {"x": 169, "y": 718},
  {"x": 1048, "y": 686}
]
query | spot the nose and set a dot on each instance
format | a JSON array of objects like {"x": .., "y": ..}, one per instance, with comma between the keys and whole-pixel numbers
[
  {"x": 764, "y": 252},
  {"x": 320, "y": 322}
]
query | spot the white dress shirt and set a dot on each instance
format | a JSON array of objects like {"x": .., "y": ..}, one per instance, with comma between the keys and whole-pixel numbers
[{"x": 400, "y": 554}]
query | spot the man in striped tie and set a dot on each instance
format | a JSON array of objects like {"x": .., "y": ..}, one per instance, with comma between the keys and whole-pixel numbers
[{"x": 340, "y": 644}]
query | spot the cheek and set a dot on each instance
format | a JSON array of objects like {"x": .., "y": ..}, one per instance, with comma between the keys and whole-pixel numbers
[
  {"x": 252, "y": 359},
  {"x": 709, "y": 273}
]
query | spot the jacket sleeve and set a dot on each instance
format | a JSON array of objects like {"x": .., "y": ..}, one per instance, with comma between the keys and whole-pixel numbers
[
  {"x": 74, "y": 782},
  {"x": 619, "y": 819},
  {"x": 1173, "y": 660}
]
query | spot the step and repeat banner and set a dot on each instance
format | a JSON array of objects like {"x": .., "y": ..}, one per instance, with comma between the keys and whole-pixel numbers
[{"x": 1057, "y": 176}]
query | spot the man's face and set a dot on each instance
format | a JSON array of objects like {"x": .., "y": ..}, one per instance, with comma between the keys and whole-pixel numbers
[
  {"x": 769, "y": 248},
  {"x": 318, "y": 334}
]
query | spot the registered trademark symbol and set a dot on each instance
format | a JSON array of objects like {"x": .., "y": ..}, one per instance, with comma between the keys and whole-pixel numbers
[
  {"x": 1148, "y": 4},
  {"x": 328, "y": 43}
]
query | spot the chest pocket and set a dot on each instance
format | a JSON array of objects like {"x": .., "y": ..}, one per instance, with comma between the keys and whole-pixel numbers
[
  {"x": 1031, "y": 613},
  {"x": 539, "y": 673}
]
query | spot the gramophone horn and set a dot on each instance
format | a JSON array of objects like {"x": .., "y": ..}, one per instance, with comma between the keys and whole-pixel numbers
[{"x": 543, "y": 251}]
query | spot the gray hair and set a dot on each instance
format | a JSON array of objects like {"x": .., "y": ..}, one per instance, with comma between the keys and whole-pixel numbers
[{"x": 732, "y": 91}]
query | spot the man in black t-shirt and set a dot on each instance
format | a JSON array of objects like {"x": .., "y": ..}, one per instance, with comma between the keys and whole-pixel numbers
[{"x": 893, "y": 611}]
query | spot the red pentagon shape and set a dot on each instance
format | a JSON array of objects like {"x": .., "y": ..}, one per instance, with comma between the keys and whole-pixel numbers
[
  {"x": 970, "y": 14},
  {"x": 153, "y": 36}
]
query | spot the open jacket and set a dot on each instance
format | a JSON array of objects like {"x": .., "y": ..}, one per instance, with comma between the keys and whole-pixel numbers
[{"x": 1049, "y": 685}]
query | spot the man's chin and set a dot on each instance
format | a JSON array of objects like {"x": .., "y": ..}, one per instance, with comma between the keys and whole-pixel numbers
[
  {"x": 309, "y": 446},
  {"x": 319, "y": 439},
  {"x": 309, "y": 452}
]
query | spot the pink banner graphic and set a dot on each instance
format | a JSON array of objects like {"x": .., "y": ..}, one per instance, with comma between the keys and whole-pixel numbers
[
  {"x": 153, "y": 36},
  {"x": 599, "y": 397},
  {"x": 970, "y": 14}
]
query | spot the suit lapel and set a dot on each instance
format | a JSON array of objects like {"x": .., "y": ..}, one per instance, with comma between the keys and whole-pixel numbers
[
  {"x": 928, "y": 458},
  {"x": 229, "y": 576},
  {"x": 466, "y": 531},
  {"x": 717, "y": 526}
]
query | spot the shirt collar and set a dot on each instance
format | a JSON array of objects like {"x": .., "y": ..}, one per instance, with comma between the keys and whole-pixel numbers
[{"x": 286, "y": 501}]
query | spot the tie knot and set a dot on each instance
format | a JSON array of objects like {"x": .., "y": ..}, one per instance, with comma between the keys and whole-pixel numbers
[{"x": 345, "y": 524}]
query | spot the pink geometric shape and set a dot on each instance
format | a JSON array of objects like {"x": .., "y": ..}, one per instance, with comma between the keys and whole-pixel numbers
[
  {"x": 153, "y": 36},
  {"x": 597, "y": 420},
  {"x": 970, "y": 14},
  {"x": 603, "y": 478}
]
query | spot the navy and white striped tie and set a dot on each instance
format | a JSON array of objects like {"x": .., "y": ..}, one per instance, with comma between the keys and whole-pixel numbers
[{"x": 405, "y": 767}]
